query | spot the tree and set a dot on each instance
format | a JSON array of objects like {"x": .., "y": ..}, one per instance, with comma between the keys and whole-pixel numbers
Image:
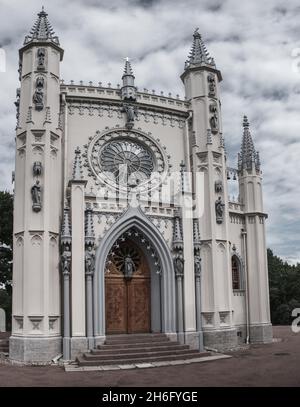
[
  {"x": 6, "y": 218},
  {"x": 284, "y": 283},
  {"x": 6, "y": 256}
]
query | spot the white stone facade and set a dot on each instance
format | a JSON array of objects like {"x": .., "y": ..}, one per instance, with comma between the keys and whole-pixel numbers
[{"x": 58, "y": 290}]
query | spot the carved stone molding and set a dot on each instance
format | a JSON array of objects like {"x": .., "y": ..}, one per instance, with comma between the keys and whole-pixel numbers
[
  {"x": 35, "y": 321},
  {"x": 224, "y": 317},
  {"x": 52, "y": 322},
  {"x": 115, "y": 111},
  {"x": 19, "y": 320},
  {"x": 208, "y": 318},
  {"x": 237, "y": 218}
]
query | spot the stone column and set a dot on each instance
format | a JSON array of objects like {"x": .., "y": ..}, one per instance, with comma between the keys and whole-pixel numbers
[
  {"x": 179, "y": 304},
  {"x": 66, "y": 244},
  {"x": 89, "y": 310},
  {"x": 77, "y": 185},
  {"x": 67, "y": 330},
  {"x": 198, "y": 308},
  {"x": 179, "y": 270},
  {"x": 89, "y": 273},
  {"x": 78, "y": 280}
]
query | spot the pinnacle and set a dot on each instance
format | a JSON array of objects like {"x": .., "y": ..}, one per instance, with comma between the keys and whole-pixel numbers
[
  {"x": 127, "y": 68},
  {"x": 248, "y": 155},
  {"x": 198, "y": 53},
  {"x": 42, "y": 30}
]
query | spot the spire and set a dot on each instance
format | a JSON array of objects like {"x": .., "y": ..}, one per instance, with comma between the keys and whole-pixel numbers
[
  {"x": 127, "y": 69},
  {"x": 66, "y": 235},
  {"x": 77, "y": 167},
  {"x": 89, "y": 226},
  {"x": 198, "y": 54},
  {"x": 128, "y": 90},
  {"x": 196, "y": 233},
  {"x": 177, "y": 231},
  {"x": 41, "y": 30},
  {"x": 248, "y": 156}
]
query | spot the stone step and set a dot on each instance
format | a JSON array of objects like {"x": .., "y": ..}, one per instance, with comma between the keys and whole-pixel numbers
[
  {"x": 136, "y": 336},
  {"x": 4, "y": 348},
  {"x": 107, "y": 349},
  {"x": 116, "y": 339},
  {"x": 101, "y": 357},
  {"x": 144, "y": 359},
  {"x": 135, "y": 344}
]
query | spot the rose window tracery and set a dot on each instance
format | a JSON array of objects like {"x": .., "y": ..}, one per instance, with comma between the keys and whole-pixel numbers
[{"x": 125, "y": 159}]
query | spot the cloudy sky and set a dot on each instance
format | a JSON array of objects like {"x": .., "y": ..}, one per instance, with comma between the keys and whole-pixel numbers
[{"x": 255, "y": 44}]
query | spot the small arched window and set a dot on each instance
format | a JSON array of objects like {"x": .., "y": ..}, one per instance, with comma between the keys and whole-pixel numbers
[{"x": 236, "y": 273}]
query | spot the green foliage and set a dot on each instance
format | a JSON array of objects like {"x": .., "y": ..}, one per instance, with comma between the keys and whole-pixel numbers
[
  {"x": 284, "y": 282},
  {"x": 6, "y": 255},
  {"x": 6, "y": 218},
  {"x": 5, "y": 303}
]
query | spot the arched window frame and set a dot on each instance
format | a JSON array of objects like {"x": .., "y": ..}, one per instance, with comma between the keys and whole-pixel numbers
[{"x": 241, "y": 274}]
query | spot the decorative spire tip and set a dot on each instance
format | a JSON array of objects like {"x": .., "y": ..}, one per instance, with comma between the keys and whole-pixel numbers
[{"x": 245, "y": 122}]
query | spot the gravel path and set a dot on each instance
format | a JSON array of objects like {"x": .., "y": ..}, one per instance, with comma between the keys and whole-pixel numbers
[{"x": 276, "y": 364}]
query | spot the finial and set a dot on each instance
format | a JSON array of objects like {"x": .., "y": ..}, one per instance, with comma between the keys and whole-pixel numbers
[
  {"x": 128, "y": 89},
  {"x": 66, "y": 233},
  {"x": 77, "y": 167},
  {"x": 42, "y": 13},
  {"x": 196, "y": 33},
  {"x": 89, "y": 226},
  {"x": 177, "y": 231},
  {"x": 245, "y": 122}
]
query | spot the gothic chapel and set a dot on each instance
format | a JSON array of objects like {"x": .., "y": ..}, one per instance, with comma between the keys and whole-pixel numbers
[{"x": 105, "y": 241}]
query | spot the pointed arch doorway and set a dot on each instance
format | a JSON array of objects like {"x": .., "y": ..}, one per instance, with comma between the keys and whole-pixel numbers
[
  {"x": 147, "y": 237},
  {"x": 127, "y": 290}
]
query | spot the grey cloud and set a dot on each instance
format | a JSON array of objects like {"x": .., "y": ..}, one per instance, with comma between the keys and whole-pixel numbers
[{"x": 252, "y": 43}]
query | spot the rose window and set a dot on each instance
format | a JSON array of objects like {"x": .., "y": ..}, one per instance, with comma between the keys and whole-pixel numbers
[
  {"x": 124, "y": 159},
  {"x": 127, "y": 161}
]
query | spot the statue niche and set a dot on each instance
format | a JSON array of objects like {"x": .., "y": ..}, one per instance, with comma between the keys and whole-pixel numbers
[
  {"x": 38, "y": 95},
  {"x": 36, "y": 197},
  {"x": 37, "y": 169},
  {"x": 90, "y": 260},
  {"x": 218, "y": 186},
  {"x": 214, "y": 121},
  {"x": 179, "y": 264},
  {"x": 219, "y": 206},
  {"x": 129, "y": 267},
  {"x": 197, "y": 265},
  {"x": 41, "y": 53},
  {"x": 66, "y": 261},
  {"x": 131, "y": 113},
  {"x": 211, "y": 85}
]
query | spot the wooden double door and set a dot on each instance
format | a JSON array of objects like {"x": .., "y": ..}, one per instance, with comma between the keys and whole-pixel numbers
[{"x": 127, "y": 300}]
